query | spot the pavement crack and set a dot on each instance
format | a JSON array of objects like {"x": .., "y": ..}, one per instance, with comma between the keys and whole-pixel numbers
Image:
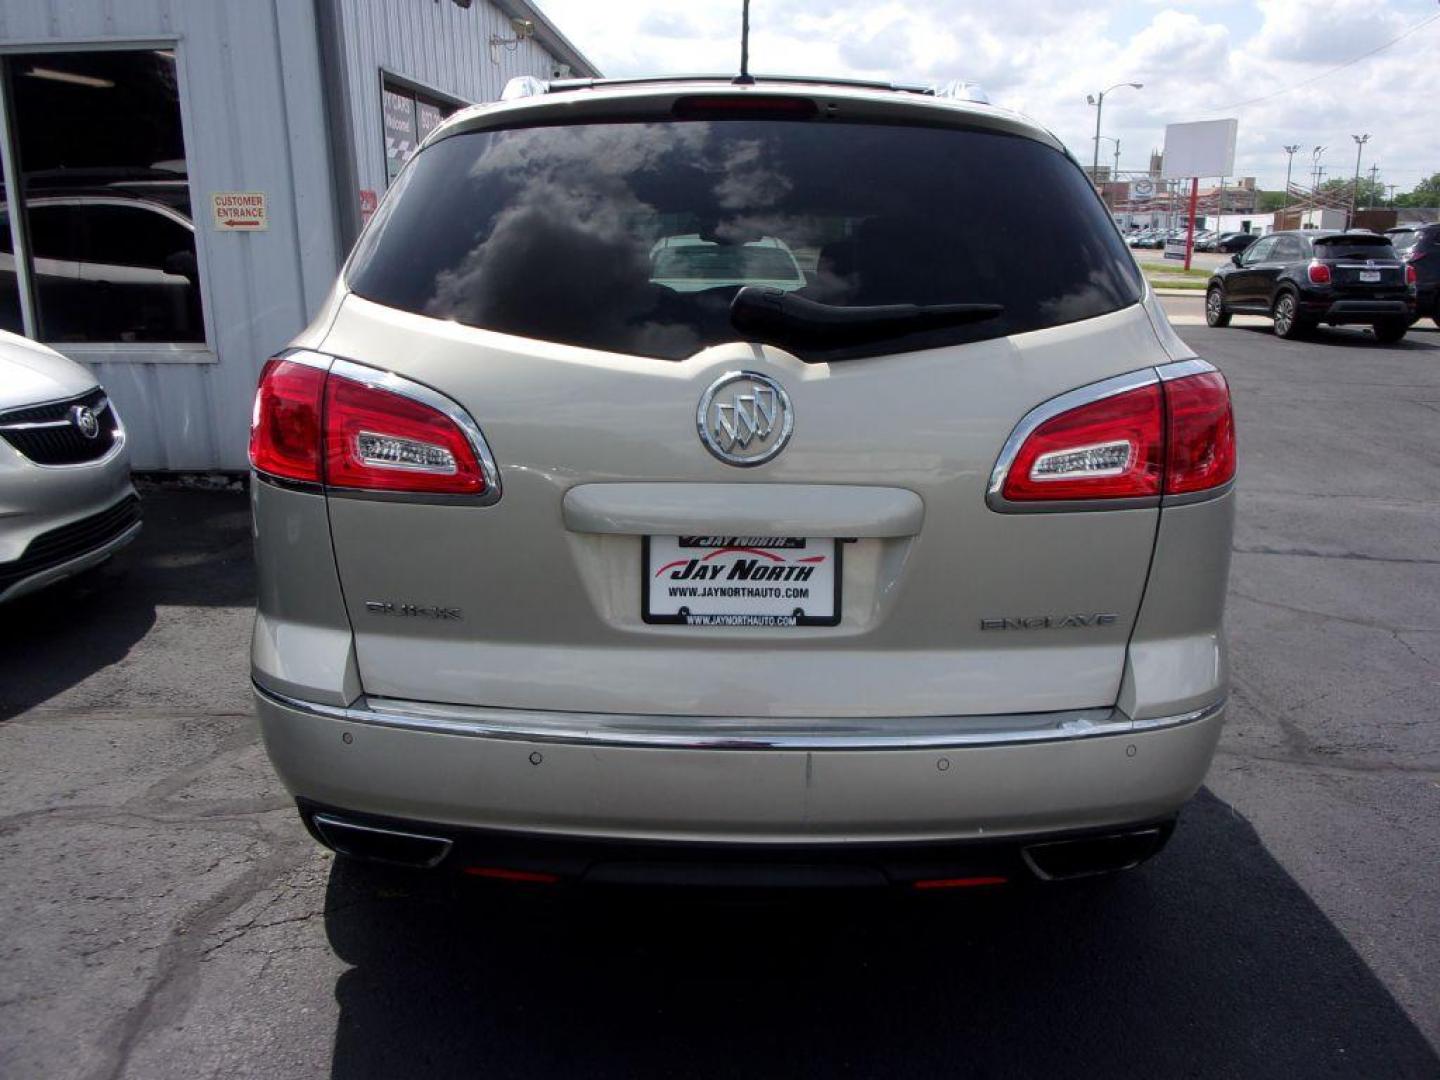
[
  {"x": 1311, "y": 553},
  {"x": 177, "y": 970},
  {"x": 1330, "y": 616}
]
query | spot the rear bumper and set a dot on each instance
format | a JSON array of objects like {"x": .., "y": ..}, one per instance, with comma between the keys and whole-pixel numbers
[
  {"x": 540, "y": 859},
  {"x": 1359, "y": 311},
  {"x": 564, "y": 776}
]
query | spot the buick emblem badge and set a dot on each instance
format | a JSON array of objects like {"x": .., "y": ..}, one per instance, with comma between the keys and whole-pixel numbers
[
  {"x": 745, "y": 418},
  {"x": 84, "y": 420}
]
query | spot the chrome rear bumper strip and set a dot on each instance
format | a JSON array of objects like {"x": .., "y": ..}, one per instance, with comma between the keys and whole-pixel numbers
[{"x": 740, "y": 733}]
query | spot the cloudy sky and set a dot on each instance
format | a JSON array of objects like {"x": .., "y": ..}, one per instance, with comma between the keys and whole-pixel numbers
[{"x": 1198, "y": 59}]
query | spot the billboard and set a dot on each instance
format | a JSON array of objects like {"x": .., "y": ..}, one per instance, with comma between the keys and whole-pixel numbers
[{"x": 1204, "y": 148}]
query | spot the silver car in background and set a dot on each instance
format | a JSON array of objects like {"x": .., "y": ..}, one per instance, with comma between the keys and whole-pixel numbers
[
  {"x": 908, "y": 576},
  {"x": 66, "y": 500}
]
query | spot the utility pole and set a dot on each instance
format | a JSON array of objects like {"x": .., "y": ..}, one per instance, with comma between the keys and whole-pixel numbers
[
  {"x": 1099, "y": 103},
  {"x": 1360, "y": 141},
  {"x": 1115, "y": 174},
  {"x": 1374, "y": 175},
  {"x": 1315, "y": 169},
  {"x": 1390, "y": 191}
]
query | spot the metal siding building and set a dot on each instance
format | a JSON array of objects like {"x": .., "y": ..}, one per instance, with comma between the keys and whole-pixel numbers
[{"x": 282, "y": 97}]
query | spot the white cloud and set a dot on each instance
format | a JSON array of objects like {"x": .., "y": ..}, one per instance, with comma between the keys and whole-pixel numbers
[{"x": 1043, "y": 56}]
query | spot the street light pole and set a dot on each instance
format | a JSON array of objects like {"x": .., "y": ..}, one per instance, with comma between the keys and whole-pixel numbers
[
  {"x": 1099, "y": 103},
  {"x": 1285, "y": 203},
  {"x": 1289, "y": 164},
  {"x": 1360, "y": 141}
]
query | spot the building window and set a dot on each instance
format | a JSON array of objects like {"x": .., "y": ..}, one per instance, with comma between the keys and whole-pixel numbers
[
  {"x": 96, "y": 143},
  {"x": 408, "y": 116}
]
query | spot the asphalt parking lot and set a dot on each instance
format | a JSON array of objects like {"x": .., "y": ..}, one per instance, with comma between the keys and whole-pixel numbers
[{"x": 164, "y": 914}]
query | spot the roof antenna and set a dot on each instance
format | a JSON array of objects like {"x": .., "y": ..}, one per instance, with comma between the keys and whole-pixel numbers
[{"x": 744, "y": 78}]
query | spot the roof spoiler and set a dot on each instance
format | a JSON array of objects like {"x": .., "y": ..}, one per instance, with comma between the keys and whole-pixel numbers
[{"x": 524, "y": 86}]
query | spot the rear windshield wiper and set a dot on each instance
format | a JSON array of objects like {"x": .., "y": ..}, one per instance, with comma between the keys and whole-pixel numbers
[{"x": 782, "y": 318}]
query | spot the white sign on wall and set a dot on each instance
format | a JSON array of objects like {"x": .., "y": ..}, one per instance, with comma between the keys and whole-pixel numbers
[
  {"x": 1142, "y": 189},
  {"x": 1205, "y": 148},
  {"x": 239, "y": 211}
]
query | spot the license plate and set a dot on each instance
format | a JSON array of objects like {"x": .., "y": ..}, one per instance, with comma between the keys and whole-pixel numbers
[
  {"x": 1369, "y": 275},
  {"x": 740, "y": 581}
]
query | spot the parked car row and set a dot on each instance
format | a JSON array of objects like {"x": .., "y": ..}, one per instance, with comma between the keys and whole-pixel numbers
[{"x": 1205, "y": 239}]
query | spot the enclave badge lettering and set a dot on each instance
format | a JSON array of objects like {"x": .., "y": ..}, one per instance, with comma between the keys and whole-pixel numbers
[
  {"x": 1050, "y": 622},
  {"x": 437, "y": 611}
]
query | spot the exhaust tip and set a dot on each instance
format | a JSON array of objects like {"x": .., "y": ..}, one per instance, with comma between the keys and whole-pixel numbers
[
  {"x": 1064, "y": 860},
  {"x": 380, "y": 845}
]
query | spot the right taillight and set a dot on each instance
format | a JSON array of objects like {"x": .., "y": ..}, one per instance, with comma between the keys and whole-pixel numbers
[
  {"x": 1171, "y": 437},
  {"x": 332, "y": 422},
  {"x": 1411, "y": 276},
  {"x": 1106, "y": 449},
  {"x": 1199, "y": 433},
  {"x": 1318, "y": 273}
]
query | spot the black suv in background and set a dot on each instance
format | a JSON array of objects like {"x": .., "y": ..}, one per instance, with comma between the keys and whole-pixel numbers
[
  {"x": 1233, "y": 242},
  {"x": 1419, "y": 246},
  {"x": 1302, "y": 279}
]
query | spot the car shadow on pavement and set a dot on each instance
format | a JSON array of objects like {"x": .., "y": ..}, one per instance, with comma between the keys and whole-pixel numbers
[
  {"x": 1346, "y": 337},
  {"x": 1209, "y": 962},
  {"x": 193, "y": 550}
]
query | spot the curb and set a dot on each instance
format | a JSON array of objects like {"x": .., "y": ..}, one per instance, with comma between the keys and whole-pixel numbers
[{"x": 1199, "y": 294}]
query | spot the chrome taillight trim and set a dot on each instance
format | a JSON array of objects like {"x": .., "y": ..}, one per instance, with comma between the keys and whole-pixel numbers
[
  {"x": 1048, "y": 410},
  {"x": 1074, "y": 399},
  {"x": 380, "y": 379}
]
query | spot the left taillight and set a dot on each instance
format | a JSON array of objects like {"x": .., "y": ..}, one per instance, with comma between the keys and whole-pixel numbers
[
  {"x": 355, "y": 428},
  {"x": 285, "y": 422},
  {"x": 377, "y": 439},
  {"x": 1411, "y": 276}
]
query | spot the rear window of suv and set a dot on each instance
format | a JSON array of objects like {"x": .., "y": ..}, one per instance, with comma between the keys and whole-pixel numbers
[
  {"x": 635, "y": 237},
  {"x": 1357, "y": 247}
]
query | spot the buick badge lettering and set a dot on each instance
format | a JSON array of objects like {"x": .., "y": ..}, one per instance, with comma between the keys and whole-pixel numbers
[
  {"x": 1051, "y": 622},
  {"x": 744, "y": 418},
  {"x": 413, "y": 611},
  {"x": 84, "y": 420}
]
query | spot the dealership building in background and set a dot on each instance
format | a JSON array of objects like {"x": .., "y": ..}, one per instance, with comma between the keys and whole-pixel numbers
[{"x": 182, "y": 178}]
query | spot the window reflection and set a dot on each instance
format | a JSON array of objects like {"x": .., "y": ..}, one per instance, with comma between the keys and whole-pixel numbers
[
  {"x": 635, "y": 237},
  {"x": 106, "y": 196}
]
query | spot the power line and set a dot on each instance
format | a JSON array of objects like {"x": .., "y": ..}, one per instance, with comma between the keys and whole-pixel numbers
[{"x": 1325, "y": 74}]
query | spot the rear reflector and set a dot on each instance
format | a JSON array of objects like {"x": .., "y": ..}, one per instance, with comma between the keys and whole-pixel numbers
[
  {"x": 1318, "y": 273},
  {"x": 503, "y": 873},
  {"x": 321, "y": 426},
  {"x": 959, "y": 882},
  {"x": 1172, "y": 437}
]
